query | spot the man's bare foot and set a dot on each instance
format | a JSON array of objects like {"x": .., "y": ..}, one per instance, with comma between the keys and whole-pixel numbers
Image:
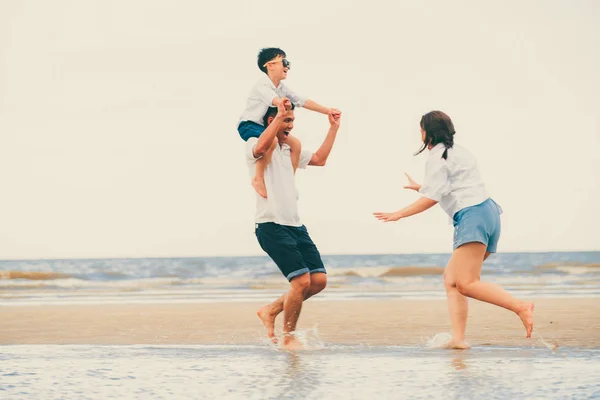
[
  {"x": 259, "y": 186},
  {"x": 267, "y": 317},
  {"x": 526, "y": 315},
  {"x": 290, "y": 343},
  {"x": 457, "y": 345}
]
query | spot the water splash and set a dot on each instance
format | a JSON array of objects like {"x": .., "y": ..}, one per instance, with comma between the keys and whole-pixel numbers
[
  {"x": 439, "y": 341},
  {"x": 309, "y": 338},
  {"x": 550, "y": 346}
]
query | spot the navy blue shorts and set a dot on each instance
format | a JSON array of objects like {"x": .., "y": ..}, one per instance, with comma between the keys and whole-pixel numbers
[
  {"x": 291, "y": 248},
  {"x": 248, "y": 129},
  {"x": 480, "y": 223}
]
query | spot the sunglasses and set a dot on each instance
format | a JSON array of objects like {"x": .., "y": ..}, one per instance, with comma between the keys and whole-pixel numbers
[{"x": 285, "y": 62}]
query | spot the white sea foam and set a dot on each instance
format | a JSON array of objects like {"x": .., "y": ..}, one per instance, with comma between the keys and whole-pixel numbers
[{"x": 438, "y": 341}]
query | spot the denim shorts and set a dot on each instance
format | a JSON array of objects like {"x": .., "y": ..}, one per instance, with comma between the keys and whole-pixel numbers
[
  {"x": 291, "y": 248},
  {"x": 248, "y": 129},
  {"x": 479, "y": 223}
]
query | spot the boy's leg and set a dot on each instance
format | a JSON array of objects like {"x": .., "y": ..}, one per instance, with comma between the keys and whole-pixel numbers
[
  {"x": 258, "y": 181},
  {"x": 295, "y": 149}
]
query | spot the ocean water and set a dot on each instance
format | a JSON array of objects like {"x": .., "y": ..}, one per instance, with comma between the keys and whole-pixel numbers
[
  {"x": 263, "y": 371},
  {"x": 325, "y": 372},
  {"x": 208, "y": 279}
]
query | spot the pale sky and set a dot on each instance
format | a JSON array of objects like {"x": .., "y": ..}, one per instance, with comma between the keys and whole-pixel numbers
[{"x": 118, "y": 121}]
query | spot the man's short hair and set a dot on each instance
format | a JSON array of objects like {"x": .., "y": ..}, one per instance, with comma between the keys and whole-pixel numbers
[
  {"x": 267, "y": 54},
  {"x": 272, "y": 112}
]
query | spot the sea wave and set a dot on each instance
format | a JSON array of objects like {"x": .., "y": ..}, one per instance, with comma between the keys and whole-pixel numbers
[
  {"x": 59, "y": 279},
  {"x": 32, "y": 275},
  {"x": 76, "y": 283},
  {"x": 571, "y": 268},
  {"x": 382, "y": 272},
  {"x": 555, "y": 274}
]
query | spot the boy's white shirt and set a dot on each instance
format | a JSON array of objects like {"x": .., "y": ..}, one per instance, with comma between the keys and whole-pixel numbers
[{"x": 261, "y": 98}]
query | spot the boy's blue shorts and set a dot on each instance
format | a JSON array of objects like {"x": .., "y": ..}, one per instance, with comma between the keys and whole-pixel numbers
[
  {"x": 479, "y": 223},
  {"x": 248, "y": 129}
]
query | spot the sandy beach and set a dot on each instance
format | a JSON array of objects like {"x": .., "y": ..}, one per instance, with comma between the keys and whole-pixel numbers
[{"x": 561, "y": 322}]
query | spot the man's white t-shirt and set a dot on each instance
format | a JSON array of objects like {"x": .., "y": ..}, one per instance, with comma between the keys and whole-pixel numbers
[{"x": 281, "y": 204}]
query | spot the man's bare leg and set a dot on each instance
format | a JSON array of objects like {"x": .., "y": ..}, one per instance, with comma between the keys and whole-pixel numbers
[
  {"x": 268, "y": 313},
  {"x": 258, "y": 181},
  {"x": 469, "y": 259},
  {"x": 292, "y": 305}
]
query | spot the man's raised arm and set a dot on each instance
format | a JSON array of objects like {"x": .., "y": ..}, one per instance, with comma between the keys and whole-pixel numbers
[
  {"x": 266, "y": 138},
  {"x": 319, "y": 158}
]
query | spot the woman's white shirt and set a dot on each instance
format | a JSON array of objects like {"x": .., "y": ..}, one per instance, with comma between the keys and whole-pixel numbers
[{"x": 455, "y": 182}]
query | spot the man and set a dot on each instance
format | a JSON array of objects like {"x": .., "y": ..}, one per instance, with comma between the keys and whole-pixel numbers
[{"x": 278, "y": 228}]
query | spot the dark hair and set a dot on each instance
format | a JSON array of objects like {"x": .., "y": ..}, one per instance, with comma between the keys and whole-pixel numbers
[
  {"x": 438, "y": 128},
  {"x": 272, "y": 112},
  {"x": 267, "y": 54}
]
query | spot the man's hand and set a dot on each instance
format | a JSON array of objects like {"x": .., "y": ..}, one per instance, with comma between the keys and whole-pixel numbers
[
  {"x": 412, "y": 184},
  {"x": 335, "y": 112},
  {"x": 282, "y": 101},
  {"x": 282, "y": 106},
  {"x": 334, "y": 119}
]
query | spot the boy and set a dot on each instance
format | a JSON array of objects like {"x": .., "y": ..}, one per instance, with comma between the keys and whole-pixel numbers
[{"x": 270, "y": 91}]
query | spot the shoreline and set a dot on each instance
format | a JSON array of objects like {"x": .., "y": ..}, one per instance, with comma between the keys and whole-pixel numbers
[{"x": 558, "y": 322}]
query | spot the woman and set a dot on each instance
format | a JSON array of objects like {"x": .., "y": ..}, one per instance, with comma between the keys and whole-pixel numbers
[{"x": 452, "y": 180}]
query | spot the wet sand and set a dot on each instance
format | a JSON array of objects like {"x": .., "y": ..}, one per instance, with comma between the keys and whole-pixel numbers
[{"x": 562, "y": 322}]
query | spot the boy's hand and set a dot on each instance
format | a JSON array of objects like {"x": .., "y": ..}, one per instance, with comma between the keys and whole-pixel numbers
[
  {"x": 284, "y": 100},
  {"x": 281, "y": 108},
  {"x": 335, "y": 112}
]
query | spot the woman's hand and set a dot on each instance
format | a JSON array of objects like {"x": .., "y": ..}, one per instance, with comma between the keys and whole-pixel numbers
[
  {"x": 412, "y": 184},
  {"x": 388, "y": 217}
]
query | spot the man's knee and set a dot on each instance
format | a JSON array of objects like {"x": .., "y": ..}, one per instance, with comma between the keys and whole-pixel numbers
[
  {"x": 318, "y": 282},
  {"x": 301, "y": 283}
]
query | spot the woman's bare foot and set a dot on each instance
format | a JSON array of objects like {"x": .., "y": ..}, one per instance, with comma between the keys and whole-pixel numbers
[
  {"x": 526, "y": 315},
  {"x": 267, "y": 316},
  {"x": 290, "y": 343},
  {"x": 259, "y": 186},
  {"x": 457, "y": 345}
]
